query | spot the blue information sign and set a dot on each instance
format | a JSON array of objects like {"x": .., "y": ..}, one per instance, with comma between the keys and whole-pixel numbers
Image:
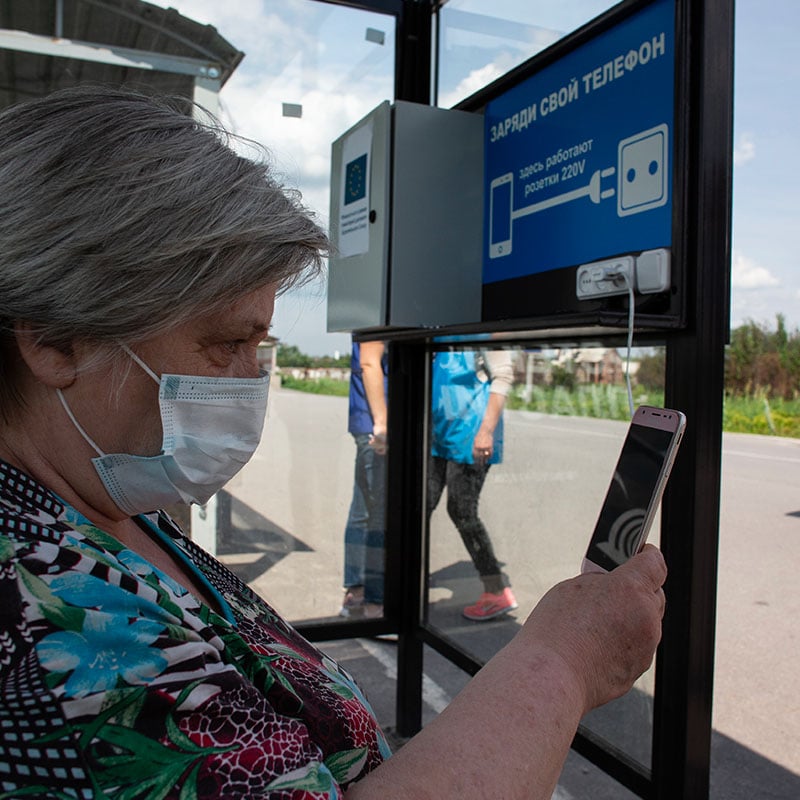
[{"x": 579, "y": 156}]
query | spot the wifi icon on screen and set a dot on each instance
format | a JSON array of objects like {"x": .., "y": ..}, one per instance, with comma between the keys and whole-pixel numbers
[{"x": 623, "y": 536}]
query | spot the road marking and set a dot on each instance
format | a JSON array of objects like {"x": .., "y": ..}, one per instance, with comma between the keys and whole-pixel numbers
[
  {"x": 432, "y": 694},
  {"x": 726, "y": 452},
  {"x": 576, "y": 431}
]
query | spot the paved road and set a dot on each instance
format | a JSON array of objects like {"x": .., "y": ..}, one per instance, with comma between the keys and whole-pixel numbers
[
  {"x": 756, "y": 700},
  {"x": 290, "y": 504}
]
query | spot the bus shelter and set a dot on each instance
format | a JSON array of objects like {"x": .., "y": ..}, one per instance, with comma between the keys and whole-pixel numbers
[
  {"x": 656, "y": 742},
  {"x": 666, "y": 753}
]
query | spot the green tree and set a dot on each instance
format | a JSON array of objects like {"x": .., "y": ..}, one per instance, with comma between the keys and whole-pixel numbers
[
  {"x": 564, "y": 376},
  {"x": 791, "y": 362},
  {"x": 290, "y": 356},
  {"x": 330, "y": 361},
  {"x": 651, "y": 370},
  {"x": 760, "y": 360}
]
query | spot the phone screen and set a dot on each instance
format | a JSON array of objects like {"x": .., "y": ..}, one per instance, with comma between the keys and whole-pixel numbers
[
  {"x": 616, "y": 536},
  {"x": 501, "y": 213}
]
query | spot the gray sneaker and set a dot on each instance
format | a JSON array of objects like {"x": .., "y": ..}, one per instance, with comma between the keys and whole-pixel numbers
[{"x": 353, "y": 603}]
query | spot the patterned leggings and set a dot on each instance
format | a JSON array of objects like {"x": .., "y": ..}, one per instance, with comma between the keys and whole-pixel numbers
[{"x": 464, "y": 483}]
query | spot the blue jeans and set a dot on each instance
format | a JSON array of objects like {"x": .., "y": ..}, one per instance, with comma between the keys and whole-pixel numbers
[{"x": 364, "y": 533}]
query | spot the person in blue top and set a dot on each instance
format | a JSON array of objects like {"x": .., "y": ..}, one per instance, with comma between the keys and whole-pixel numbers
[
  {"x": 469, "y": 391},
  {"x": 364, "y": 531}
]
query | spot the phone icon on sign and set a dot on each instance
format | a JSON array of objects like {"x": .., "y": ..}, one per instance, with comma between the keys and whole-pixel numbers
[{"x": 500, "y": 199}]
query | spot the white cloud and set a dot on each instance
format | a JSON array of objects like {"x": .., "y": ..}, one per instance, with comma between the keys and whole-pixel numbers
[
  {"x": 476, "y": 79},
  {"x": 239, "y": 28},
  {"x": 297, "y": 52},
  {"x": 744, "y": 150},
  {"x": 480, "y": 77},
  {"x": 747, "y": 274},
  {"x": 300, "y": 147},
  {"x": 310, "y": 54}
]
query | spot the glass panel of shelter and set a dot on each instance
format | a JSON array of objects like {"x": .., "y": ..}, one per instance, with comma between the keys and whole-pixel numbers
[
  {"x": 288, "y": 509},
  {"x": 478, "y": 41},
  {"x": 283, "y": 518},
  {"x": 564, "y": 421},
  {"x": 280, "y": 523}
]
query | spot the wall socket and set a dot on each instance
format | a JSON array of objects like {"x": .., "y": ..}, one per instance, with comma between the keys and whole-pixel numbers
[
  {"x": 592, "y": 280},
  {"x": 652, "y": 271}
]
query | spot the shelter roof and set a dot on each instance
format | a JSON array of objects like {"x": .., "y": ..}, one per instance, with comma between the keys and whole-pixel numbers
[{"x": 119, "y": 29}]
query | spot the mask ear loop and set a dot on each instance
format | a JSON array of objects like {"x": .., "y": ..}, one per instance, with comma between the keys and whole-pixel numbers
[
  {"x": 77, "y": 424},
  {"x": 140, "y": 363}
]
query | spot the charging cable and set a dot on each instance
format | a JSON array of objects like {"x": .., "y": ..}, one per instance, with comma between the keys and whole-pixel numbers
[{"x": 612, "y": 274}]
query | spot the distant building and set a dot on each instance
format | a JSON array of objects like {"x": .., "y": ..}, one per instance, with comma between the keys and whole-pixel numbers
[
  {"x": 593, "y": 364},
  {"x": 267, "y": 354}
]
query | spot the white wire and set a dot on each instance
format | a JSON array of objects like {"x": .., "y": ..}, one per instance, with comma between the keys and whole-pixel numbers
[
  {"x": 631, "y": 310},
  {"x": 614, "y": 275}
]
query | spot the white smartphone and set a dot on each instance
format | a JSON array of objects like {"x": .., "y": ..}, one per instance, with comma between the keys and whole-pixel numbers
[
  {"x": 500, "y": 203},
  {"x": 636, "y": 487}
]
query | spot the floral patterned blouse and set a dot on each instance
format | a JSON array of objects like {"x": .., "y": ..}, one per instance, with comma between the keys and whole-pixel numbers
[{"x": 117, "y": 682}]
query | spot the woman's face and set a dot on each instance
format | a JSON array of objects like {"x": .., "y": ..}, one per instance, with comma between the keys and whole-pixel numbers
[{"x": 220, "y": 344}]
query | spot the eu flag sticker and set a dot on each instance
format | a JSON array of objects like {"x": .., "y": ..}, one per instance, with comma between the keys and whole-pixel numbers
[{"x": 355, "y": 181}]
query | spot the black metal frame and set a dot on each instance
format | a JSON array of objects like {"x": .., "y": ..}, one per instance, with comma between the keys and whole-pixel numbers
[
  {"x": 690, "y": 509},
  {"x": 695, "y": 381}
]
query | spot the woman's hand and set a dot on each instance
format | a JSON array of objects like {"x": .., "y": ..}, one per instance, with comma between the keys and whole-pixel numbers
[
  {"x": 508, "y": 732},
  {"x": 604, "y": 627},
  {"x": 482, "y": 446}
]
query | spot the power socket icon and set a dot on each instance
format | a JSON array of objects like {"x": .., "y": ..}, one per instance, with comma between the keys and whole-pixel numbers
[
  {"x": 642, "y": 182},
  {"x": 594, "y": 279}
]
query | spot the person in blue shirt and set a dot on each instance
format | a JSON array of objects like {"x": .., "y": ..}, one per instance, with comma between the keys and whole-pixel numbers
[
  {"x": 364, "y": 531},
  {"x": 469, "y": 391}
]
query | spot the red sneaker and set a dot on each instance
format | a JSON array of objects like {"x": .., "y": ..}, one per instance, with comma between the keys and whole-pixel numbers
[{"x": 491, "y": 605}]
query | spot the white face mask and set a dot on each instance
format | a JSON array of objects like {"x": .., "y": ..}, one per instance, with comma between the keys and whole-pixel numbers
[{"x": 212, "y": 427}]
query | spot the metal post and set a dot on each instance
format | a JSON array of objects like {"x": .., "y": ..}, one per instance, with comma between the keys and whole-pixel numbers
[
  {"x": 695, "y": 384},
  {"x": 413, "y": 52},
  {"x": 407, "y": 370},
  {"x": 59, "y": 27},
  {"x": 405, "y": 545}
]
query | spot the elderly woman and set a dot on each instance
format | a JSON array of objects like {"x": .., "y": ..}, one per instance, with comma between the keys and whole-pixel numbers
[{"x": 141, "y": 258}]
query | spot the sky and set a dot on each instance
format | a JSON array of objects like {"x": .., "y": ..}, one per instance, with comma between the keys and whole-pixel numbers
[{"x": 317, "y": 55}]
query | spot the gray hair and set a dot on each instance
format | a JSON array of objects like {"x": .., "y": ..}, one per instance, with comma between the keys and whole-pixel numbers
[{"x": 122, "y": 217}]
